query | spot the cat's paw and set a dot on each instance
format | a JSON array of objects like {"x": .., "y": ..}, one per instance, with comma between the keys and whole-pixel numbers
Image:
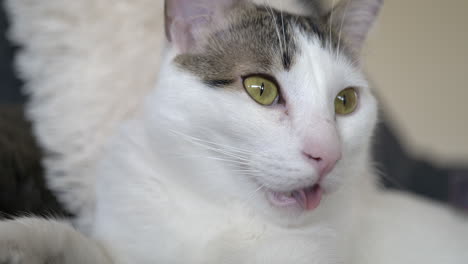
[
  {"x": 10, "y": 254},
  {"x": 42, "y": 241},
  {"x": 19, "y": 242}
]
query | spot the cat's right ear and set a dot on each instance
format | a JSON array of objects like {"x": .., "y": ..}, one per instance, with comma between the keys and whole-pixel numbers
[
  {"x": 186, "y": 21},
  {"x": 354, "y": 18}
]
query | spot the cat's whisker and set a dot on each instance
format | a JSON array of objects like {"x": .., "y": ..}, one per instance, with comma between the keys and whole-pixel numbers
[
  {"x": 331, "y": 24},
  {"x": 244, "y": 173},
  {"x": 221, "y": 151},
  {"x": 272, "y": 14},
  {"x": 284, "y": 34},
  {"x": 214, "y": 143},
  {"x": 240, "y": 162},
  {"x": 355, "y": 62},
  {"x": 255, "y": 191},
  {"x": 218, "y": 150},
  {"x": 250, "y": 196},
  {"x": 394, "y": 181},
  {"x": 295, "y": 20},
  {"x": 341, "y": 27},
  {"x": 228, "y": 148},
  {"x": 250, "y": 173}
]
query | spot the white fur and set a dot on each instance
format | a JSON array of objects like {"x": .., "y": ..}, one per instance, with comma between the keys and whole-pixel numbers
[
  {"x": 189, "y": 203},
  {"x": 39, "y": 241},
  {"x": 87, "y": 65},
  {"x": 405, "y": 229},
  {"x": 160, "y": 197}
]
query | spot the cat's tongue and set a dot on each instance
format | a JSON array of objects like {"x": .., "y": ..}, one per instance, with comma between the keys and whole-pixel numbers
[{"x": 308, "y": 198}]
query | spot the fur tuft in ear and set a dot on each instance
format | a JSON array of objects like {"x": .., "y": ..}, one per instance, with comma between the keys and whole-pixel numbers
[
  {"x": 186, "y": 20},
  {"x": 354, "y": 18}
]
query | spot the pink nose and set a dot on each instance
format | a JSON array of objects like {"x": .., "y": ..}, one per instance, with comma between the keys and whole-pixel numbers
[
  {"x": 323, "y": 162},
  {"x": 322, "y": 149}
]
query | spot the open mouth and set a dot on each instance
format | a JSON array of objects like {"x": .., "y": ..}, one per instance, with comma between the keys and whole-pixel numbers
[{"x": 308, "y": 198}]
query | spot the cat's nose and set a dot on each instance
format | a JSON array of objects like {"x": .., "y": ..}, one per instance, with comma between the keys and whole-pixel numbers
[
  {"x": 322, "y": 149},
  {"x": 324, "y": 161}
]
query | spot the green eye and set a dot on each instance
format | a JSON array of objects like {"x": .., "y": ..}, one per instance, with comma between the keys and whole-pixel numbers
[
  {"x": 262, "y": 90},
  {"x": 346, "y": 101}
]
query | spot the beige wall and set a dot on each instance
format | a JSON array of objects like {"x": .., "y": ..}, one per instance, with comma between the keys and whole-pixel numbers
[{"x": 418, "y": 58}]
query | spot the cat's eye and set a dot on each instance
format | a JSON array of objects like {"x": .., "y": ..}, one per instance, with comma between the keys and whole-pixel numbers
[
  {"x": 261, "y": 89},
  {"x": 346, "y": 101}
]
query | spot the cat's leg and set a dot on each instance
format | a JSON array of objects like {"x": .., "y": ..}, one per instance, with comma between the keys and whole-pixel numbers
[{"x": 41, "y": 241}]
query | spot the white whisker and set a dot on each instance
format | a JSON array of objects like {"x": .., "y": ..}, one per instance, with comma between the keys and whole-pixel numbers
[
  {"x": 214, "y": 143},
  {"x": 341, "y": 27},
  {"x": 198, "y": 142},
  {"x": 284, "y": 34},
  {"x": 272, "y": 14},
  {"x": 331, "y": 24},
  {"x": 251, "y": 195},
  {"x": 247, "y": 173},
  {"x": 212, "y": 158}
]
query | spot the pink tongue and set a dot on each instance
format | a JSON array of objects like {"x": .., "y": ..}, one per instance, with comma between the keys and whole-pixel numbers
[{"x": 309, "y": 198}]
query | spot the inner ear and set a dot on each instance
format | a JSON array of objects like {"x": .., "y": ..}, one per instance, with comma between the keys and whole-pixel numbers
[
  {"x": 315, "y": 7},
  {"x": 354, "y": 19},
  {"x": 186, "y": 21}
]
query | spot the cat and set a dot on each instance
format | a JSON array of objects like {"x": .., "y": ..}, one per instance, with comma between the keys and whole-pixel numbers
[
  {"x": 253, "y": 147},
  {"x": 276, "y": 191},
  {"x": 241, "y": 149}
]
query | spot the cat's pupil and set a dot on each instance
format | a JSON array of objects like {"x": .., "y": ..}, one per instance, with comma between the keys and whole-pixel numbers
[
  {"x": 343, "y": 99},
  {"x": 262, "y": 89}
]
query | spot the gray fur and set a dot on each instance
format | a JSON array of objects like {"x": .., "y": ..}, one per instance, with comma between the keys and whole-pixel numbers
[{"x": 257, "y": 39}]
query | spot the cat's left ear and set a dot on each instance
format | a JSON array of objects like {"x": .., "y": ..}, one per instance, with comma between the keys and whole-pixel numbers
[
  {"x": 354, "y": 18},
  {"x": 186, "y": 21}
]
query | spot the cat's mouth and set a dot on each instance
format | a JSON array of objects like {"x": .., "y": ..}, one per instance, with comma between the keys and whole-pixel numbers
[{"x": 308, "y": 198}]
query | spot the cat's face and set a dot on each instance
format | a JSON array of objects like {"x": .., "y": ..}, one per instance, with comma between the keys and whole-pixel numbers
[{"x": 276, "y": 100}]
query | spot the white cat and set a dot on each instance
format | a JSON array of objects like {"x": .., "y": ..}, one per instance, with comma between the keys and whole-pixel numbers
[{"x": 253, "y": 147}]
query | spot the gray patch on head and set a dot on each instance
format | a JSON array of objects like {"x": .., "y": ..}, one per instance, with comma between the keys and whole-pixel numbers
[{"x": 258, "y": 39}]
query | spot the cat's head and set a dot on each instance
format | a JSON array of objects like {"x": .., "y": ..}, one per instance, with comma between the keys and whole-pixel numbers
[{"x": 277, "y": 100}]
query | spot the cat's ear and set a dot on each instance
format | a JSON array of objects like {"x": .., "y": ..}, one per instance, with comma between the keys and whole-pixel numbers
[
  {"x": 187, "y": 20},
  {"x": 354, "y": 18}
]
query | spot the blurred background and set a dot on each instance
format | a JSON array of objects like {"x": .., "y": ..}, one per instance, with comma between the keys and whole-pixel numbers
[{"x": 418, "y": 58}]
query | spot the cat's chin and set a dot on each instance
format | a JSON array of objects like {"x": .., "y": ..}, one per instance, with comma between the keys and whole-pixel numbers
[{"x": 306, "y": 199}]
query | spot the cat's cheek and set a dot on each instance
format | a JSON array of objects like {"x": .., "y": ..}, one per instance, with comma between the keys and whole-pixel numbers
[
  {"x": 284, "y": 113},
  {"x": 335, "y": 180}
]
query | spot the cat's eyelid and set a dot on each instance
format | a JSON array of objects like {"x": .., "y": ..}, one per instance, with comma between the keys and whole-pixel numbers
[{"x": 267, "y": 76}]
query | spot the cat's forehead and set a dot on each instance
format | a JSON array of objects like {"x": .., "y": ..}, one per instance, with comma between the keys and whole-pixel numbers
[{"x": 257, "y": 39}]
